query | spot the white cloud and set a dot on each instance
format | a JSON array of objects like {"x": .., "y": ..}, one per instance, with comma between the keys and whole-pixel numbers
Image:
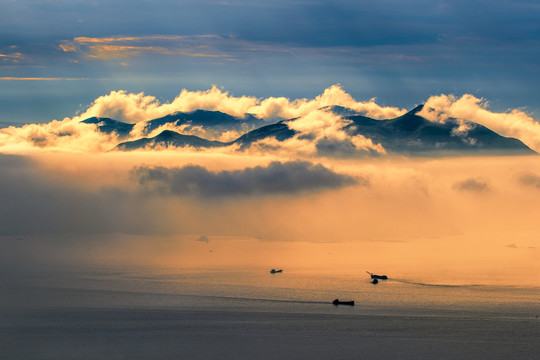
[
  {"x": 71, "y": 135},
  {"x": 65, "y": 135},
  {"x": 314, "y": 124},
  {"x": 324, "y": 127},
  {"x": 514, "y": 123},
  {"x": 121, "y": 105}
]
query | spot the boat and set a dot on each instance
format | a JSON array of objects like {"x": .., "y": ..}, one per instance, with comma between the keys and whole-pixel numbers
[
  {"x": 274, "y": 271},
  {"x": 380, "y": 277},
  {"x": 337, "y": 302}
]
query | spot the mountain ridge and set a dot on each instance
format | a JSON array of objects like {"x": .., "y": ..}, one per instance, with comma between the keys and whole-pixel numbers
[
  {"x": 409, "y": 134},
  {"x": 168, "y": 138}
]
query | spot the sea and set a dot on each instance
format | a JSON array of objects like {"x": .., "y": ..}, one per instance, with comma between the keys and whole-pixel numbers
[{"x": 251, "y": 313}]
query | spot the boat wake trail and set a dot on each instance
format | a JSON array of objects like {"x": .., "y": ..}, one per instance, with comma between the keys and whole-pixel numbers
[
  {"x": 419, "y": 283},
  {"x": 254, "y": 299}
]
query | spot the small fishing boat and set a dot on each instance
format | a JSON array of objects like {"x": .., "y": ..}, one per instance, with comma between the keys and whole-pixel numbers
[
  {"x": 380, "y": 277},
  {"x": 274, "y": 271},
  {"x": 337, "y": 302}
]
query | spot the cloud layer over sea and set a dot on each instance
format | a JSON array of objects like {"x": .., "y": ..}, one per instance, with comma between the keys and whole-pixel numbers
[{"x": 63, "y": 191}]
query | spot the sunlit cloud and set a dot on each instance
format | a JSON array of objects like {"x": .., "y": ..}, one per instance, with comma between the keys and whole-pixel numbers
[
  {"x": 86, "y": 40},
  {"x": 106, "y": 48},
  {"x": 322, "y": 132},
  {"x": 13, "y": 57},
  {"x": 121, "y": 51},
  {"x": 318, "y": 131},
  {"x": 11, "y": 78},
  {"x": 514, "y": 123},
  {"x": 133, "y": 108},
  {"x": 65, "y": 135}
]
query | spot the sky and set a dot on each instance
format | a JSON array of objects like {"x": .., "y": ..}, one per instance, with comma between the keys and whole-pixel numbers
[
  {"x": 67, "y": 198},
  {"x": 57, "y": 57}
]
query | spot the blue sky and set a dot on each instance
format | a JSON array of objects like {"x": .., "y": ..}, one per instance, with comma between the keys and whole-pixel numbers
[{"x": 56, "y": 57}]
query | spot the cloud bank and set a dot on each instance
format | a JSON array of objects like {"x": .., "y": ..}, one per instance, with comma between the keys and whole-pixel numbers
[
  {"x": 319, "y": 130},
  {"x": 70, "y": 135},
  {"x": 133, "y": 108},
  {"x": 123, "y": 47},
  {"x": 275, "y": 179},
  {"x": 66, "y": 135},
  {"x": 530, "y": 179},
  {"x": 128, "y": 208},
  {"x": 472, "y": 185}
]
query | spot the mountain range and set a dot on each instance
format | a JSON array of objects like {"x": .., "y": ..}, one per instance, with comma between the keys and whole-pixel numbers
[{"x": 409, "y": 134}]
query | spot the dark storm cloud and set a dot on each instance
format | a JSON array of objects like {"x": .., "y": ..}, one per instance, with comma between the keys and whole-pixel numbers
[
  {"x": 530, "y": 180},
  {"x": 40, "y": 27},
  {"x": 473, "y": 185},
  {"x": 305, "y": 23},
  {"x": 277, "y": 178},
  {"x": 34, "y": 201}
]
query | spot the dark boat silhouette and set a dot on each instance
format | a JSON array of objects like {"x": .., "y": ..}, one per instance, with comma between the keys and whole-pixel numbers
[
  {"x": 274, "y": 271},
  {"x": 380, "y": 277},
  {"x": 337, "y": 302}
]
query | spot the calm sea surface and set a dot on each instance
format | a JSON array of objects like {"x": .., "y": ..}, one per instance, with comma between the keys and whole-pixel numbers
[
  {"x": 293, "y": 290},
  {"x": 151, "y": 313}
]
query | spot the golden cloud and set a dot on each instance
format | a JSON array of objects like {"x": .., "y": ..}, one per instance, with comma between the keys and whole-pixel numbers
[
  {"x": 14, "y": 57},
  {"x": 453, "y": 214},
  {"x": 514, "y": 123},
  {"x": 106, "y": 48},
  {"x": 318, "y": 131},
  {"x": 134, "y": 108},
  {"x": 11, "y": 78}
]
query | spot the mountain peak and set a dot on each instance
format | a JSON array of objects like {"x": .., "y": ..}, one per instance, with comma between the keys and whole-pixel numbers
[
  {"x": 109, "y": 126},
  {"x": 417, "y": 109},
  {"x": 341, "y": 110},
  {"x": 168, "y": 138}
]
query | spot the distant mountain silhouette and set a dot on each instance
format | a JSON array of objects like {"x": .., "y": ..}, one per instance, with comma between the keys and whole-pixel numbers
[
  {"x": 280, "y": 131},
  {"x": 173, "y": 139},
  {"x": 168, "y": 138},
  {"x": 409, "y": 134},
  {"x": 197, "y": 117},
  {"x": 206, "y": 119},
  {"x": 107, "y": 126},
  {"x": 340, "y": 110}
]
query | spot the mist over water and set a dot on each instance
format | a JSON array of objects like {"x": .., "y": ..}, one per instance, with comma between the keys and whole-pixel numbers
[{"x": 455, "y": 221}]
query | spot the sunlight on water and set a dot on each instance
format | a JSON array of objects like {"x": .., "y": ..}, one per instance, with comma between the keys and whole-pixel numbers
[{"x": 298, "y": 290}]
